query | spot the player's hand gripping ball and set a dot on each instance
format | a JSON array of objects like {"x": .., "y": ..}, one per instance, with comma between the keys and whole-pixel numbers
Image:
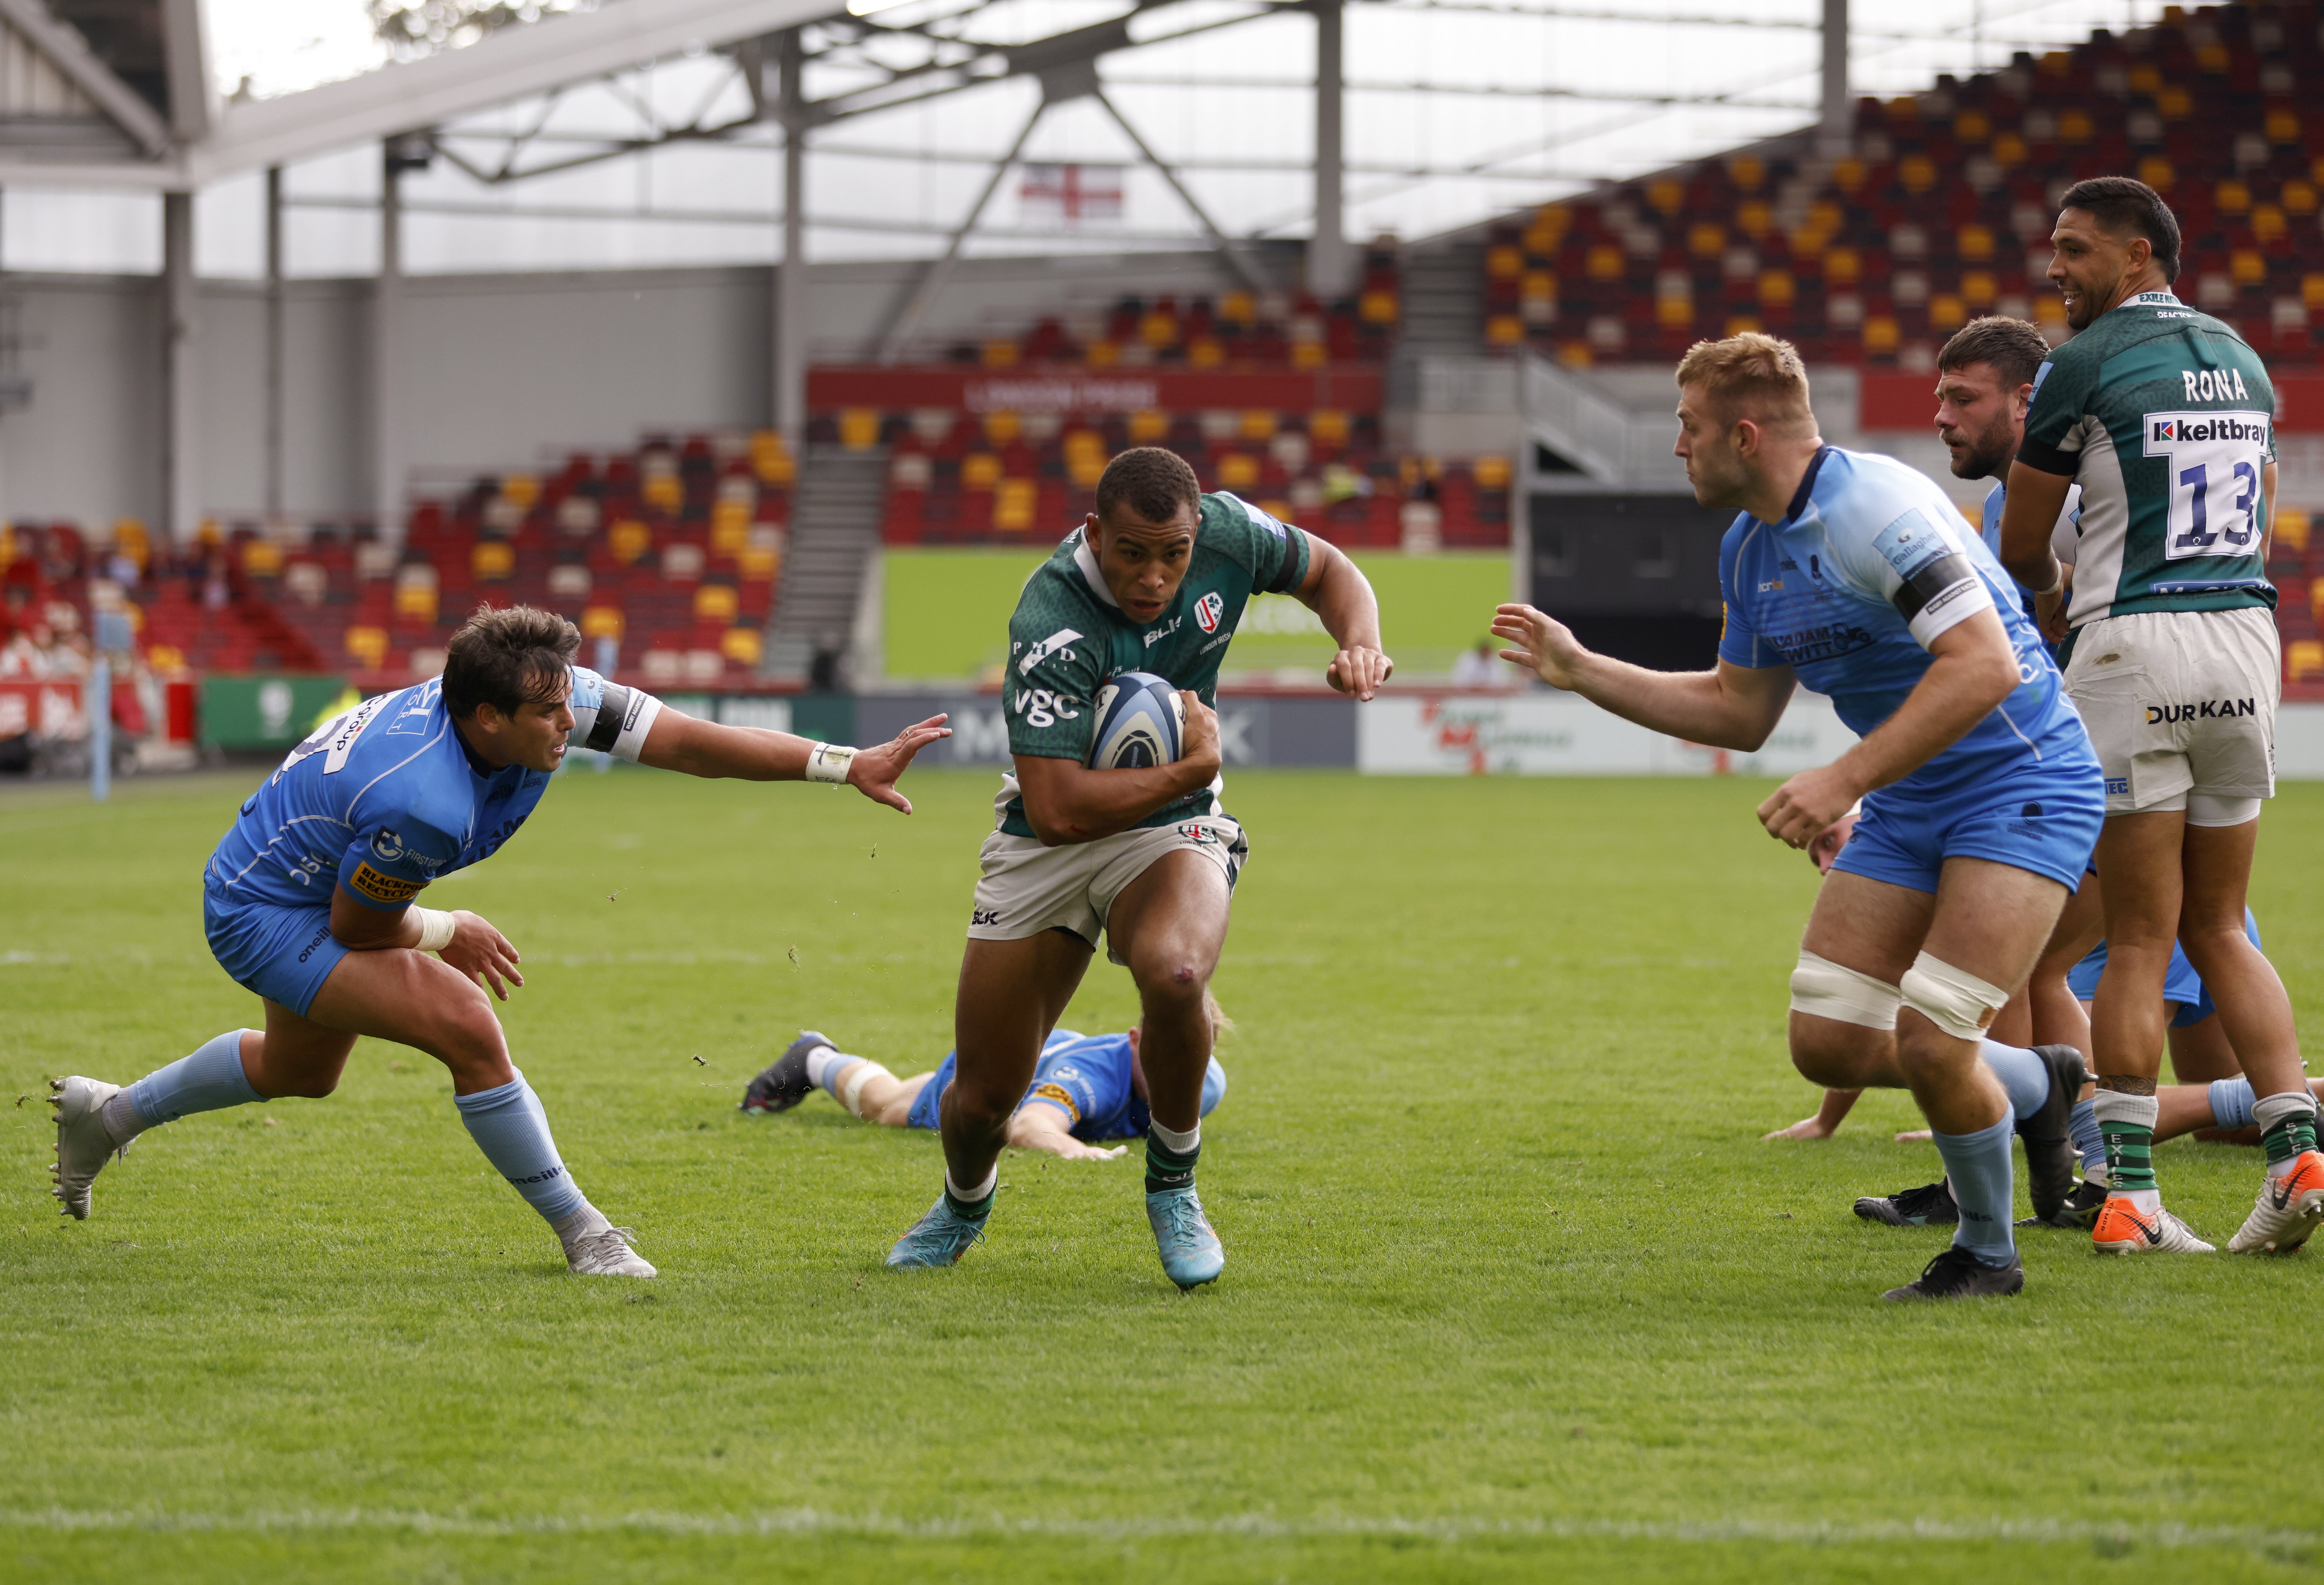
[{"x": 1140, "y": 722}]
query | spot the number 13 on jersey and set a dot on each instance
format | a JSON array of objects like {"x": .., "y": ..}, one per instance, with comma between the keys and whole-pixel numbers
[{"x": 2216, "y": 461}]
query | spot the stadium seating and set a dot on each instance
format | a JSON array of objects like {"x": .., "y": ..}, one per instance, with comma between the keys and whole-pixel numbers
[{"x": 1942, "y": 210}]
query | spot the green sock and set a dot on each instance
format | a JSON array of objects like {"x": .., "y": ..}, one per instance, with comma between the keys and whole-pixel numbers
[
  {"x": 2288, "y": 1125},
  {"x": 2130, "y": 1157},
  {"x": 1169, "y": 1169}
]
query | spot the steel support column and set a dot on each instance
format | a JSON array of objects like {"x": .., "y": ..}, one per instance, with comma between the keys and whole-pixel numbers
[
  {"x": 789, "y": 318},
  {"x": 932, "y": 280},
  {"x": 387, "y": 462},
  {"x": 1237, "y": 261},
  {"x": 181, "y": 495},
  {"x": 1330, "y": 262},
  {"x": 1834, "y": 134},
  {"x": 273, "y": 415}
]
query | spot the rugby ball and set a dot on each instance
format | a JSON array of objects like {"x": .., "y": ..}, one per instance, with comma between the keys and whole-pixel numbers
[{"x": 1140, "y": 718}]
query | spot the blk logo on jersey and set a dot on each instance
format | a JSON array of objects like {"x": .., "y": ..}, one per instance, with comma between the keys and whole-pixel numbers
[{"x": 1208, "y": 610}]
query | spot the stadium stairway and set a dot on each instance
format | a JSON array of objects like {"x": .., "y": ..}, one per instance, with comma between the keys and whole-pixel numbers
[
  {"x": 1443, "y": 309},
  {"x": 835, "y": 533}
]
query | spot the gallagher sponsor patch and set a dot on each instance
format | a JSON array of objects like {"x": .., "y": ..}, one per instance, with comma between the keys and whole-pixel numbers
[{"x": 368, "y": 882}]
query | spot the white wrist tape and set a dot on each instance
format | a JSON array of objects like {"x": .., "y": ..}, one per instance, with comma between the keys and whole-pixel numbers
[
  {"x": 434, "y": 928},
  {"x": 829, "y": 762}
]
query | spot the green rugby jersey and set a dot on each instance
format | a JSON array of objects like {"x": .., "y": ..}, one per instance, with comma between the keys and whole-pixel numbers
[
  {"x": 2167, "y": 419},
  {"x": 1068, "y": 636}
]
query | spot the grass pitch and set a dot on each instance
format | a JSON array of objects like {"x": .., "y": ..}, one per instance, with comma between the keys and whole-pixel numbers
[{"x": 1514, "y": 1290}]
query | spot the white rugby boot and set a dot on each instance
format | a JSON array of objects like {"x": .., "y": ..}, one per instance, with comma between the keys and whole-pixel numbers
[
  {"x": 83, "y": 1141},
  {"x": 2289, "y": 1209},
  {"x": 595, "y": 1246}
]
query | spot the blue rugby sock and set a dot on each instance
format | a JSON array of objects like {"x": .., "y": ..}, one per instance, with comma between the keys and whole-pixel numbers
[
  {"x": 2090, "y": 1139},
  {"x": 210, "y": 1080},
  {"x": 512, "y": 1131},
  {"x": 2021, "y": 1074},
  {"x": 1980, "y": 1168},
  {"x": 2231, "y": 1103}
]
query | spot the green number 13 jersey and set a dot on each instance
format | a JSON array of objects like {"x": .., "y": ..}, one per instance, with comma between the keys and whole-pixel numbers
[
  {"x": 2167, "y": 420},
  {"x": 1068, "y": 635}
]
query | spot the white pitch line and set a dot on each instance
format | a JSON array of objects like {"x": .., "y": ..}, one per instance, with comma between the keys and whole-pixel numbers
[{"x": 1250, "y": 1526}]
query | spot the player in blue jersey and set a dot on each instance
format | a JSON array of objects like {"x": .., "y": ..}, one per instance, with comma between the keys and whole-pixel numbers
[
  {"x": 1981, "y": 798},
  {"x": 1087, "y": 1090},
  {"x": 309, "y": 900}
]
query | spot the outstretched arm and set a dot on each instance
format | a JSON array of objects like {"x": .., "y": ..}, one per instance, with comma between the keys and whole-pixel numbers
[
  {"x": 1038, "y": 1126},
  {"x": 1731, "y": 707},
  {"x": 1336, "y": 590},
  {"x": 681, "y": 742},
  {"x": 2028, "y": 514}
]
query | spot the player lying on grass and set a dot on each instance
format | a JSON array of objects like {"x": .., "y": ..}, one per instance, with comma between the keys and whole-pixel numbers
[
  {"x": 1086, "y": 1090},
  {"x": 1155, "y": 581},
  {"x": 308, "y": 901},
  {"x": 1981, "y": 798}
]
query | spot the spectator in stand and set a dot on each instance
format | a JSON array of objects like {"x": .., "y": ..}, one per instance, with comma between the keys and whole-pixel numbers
[{"x": 1483, "y": 668}]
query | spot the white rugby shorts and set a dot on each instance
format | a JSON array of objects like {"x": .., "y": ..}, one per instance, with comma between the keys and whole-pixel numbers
[
  {"x": 2179, "y": 701},
  {"x": 1025, "y": 889}
]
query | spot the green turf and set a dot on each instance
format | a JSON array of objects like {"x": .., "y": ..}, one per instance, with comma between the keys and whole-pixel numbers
[{"x": 1513, "y": 1288}]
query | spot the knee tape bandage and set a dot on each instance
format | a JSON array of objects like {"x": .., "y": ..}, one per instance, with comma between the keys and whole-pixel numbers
[
  {"x": 850, "y": 1088},
  {"x": 1960, "y": 1004},
  {"x": 1825, "y": 990}
]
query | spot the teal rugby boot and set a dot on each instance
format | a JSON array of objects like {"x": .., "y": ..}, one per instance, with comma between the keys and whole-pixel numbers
[
  {"x": 1190, "y": 1251},
  {"x": 940, "y": 1238}
]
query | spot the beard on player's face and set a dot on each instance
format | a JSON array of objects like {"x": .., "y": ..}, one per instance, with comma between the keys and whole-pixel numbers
[{"x": 1984, "y": 453}]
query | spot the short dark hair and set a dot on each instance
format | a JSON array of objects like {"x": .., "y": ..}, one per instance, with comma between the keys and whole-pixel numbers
[
  {"x": 2013, "y": 347},
  {"x": 2125, "y": 206},
  {"x": 508, "y": 659},
  {"x": 1151, "y": 480}
]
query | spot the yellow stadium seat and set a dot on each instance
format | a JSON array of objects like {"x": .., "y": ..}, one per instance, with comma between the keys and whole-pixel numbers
[
  {"x": 2008, "y": 150},
  {"x": 2248, "y": 266},
  {"x": 1238, "y": 308},
  {"x": 1974, "y": 242},
  {"x": 2267, "y": 223},
  {"x": 1918, "y": 173},
  {"x": 1881, "y": 334},
  {"x": 1309, "y": 354},
  {"x": 1505, "y": 330},
  {"x": 2145, "y": 78},
  {"x": 1754, "y": 218},
  {"x": 1503, "y": 263},
  {"x": 1706, "y": 239},
  {"x": 1777, "y": 290},
  {"x": 1604, "y": 262},
  {"x": 1159, "y": 328},
  {"x": 772, "y": 460},
  {"x": 2075, "y": 126},
  {"x": 262, "y": 559},
  {"x": 1328, "y": 426},
  {"x": 1848, "y": 174},
  {"x": 1970, "y": 126},
  {"x": 716, "y": 603},
  {"x": 1677, "y": 313},
  {"x": 491, "y": 561},
  {"x": 2175, "y": 102},
  {"x": 1205, "y": 352},
  {"x": 1013, "y": 504},
  {"x": 628, "y": 540},
  {"x": 1667, "y": 195},
  {"x": 741, "y": 645},
  {"x": 1945, "y": 312},
  {"x": 1842, "y": 266},
  {"x": 2156, "y": 172},
  {"x": 729, "y": 527},
  {"x": 979, "y": 470},
  {"x": 2303, "y": 660},
  {"x": 366, "y": 646},
  {"x": 168, "y": 659},
  {"x": 998, "y": 353},
  {"x": 1978, "y": 289},
  {"x": 2283, "y": 125},
  {"x": 2232, "y": 196},
  {"x": 2316, "y": 595},
  {"x": 665, "y": 493},
  {"x": 522, "y": 489},
  {"x": 1377, "y": 308},
  {"x": 2299, "y": 196},
  {"x": 2213, "y": 57},
  {"x": 1102, "y": 355},
  {"x": 1238, "y": 471},
  {"x": 1742, "y": 324},
  {"x": 1257, "y": 425},
  {"x": 602, "y": 622},
  {"x": 1003, "y": 427},
  {"x": 1746, "y": 172},
  {"x": 1149, "y": 427},
  {"x": 2291, "y": 525},
  {"x": 1491, "y": 472},
  {"x": 859, "y": 428},
  {"x": 416, "y": 602}
]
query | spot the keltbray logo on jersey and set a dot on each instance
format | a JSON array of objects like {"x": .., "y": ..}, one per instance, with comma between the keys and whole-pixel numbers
[
  {"x": 1208, "y": 610},
  {"x": 2204, "y": 710},
  {"x": 1055, "y": 644},
  {"x": 2213, "y": 462},
  {"x": 368, "y": 882}
]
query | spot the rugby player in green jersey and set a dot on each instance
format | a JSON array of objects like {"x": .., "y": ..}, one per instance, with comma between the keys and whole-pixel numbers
[
  {"x": 1155, "y": 581},
  {"x": 2166, "y": 419}
]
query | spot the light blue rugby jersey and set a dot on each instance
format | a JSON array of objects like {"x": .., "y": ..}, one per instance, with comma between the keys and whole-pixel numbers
[
  {"x": 386, "y": 798},
  {"x": 1872, "y": 564},
  {"x": 2062, "y": 537}
]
